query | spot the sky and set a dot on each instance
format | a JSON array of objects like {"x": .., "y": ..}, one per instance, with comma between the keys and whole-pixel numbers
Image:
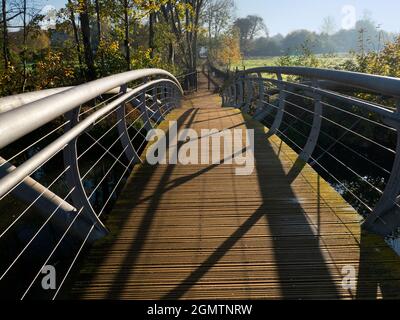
[{"x": 284, "y": 16}]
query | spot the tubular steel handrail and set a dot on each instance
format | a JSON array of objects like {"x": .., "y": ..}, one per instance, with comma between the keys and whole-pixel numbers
[
  {"x": 290, "y": 99},
  {"x": 134, "y": 101},
  {"x": 25, "y": 119}
]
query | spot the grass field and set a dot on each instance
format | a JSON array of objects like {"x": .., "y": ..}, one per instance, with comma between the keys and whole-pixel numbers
[
  {"x": 257, "y": 62},
  {"x": 249, "y": 63}
]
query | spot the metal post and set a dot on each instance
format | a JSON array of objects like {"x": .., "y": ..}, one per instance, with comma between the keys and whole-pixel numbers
[
  {"x": 385, "y": 219},
  {"x": 248, "y": 95},
  {"x": 316, "y": 127},
  {"x": 130, "y": 151},
  {"x": 281, "y": 108},
  {"x": 158, "y": 113},
  {"x": 144, "y": 110},
  {"x": 234, "y": 94},
  {"x": 262, "y": 111},
  {"x": 209, "y": 79},
  {"x": 73, "y": 180},
  {"x": 241, "y": 93}
]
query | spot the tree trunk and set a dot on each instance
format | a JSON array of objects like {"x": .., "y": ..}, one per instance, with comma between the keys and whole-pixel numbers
[
  {"x": 24, "y": 46},
  {"x": 127, "y": 44},
  {"x": 151, "y": 33},
  {"x": 171, "y": 49},
  {"x": 76, "y": 36},
  {"x": 6, "y": 50},
  {"x": 87, "y": 46},
  {"x": 199, "y": 4},
  {"x": 189, "y": 40},
  {"x": 171, "y": 54},
  {"x": 99, "y": 35},
  {"x": 98, "y": 21}
]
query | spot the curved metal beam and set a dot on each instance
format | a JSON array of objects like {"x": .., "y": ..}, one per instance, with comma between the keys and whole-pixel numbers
[
  {"x": 386, "y": 216},
  {"x": 18, "y": 100},
  {"x": 74, "y": 182},
  {"x": 315, "y": 129},
  {"x": 281, "y": 108},
  {"x": 248, "y": 95},
  {"x": 23, "y": 120},
  {"x": 261, "y": 111},
  {"x": 126, "y": 143},
  {"x": 380, "y": 84}
]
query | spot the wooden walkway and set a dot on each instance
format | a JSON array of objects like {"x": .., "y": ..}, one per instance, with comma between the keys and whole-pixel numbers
[{"x": 202, "y": 232}]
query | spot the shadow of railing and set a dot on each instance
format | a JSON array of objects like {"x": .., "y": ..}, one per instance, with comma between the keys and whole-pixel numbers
[{"x": 295, "y": 271}]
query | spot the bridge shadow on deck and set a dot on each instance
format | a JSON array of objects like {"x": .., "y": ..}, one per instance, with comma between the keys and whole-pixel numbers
[
  {"x": 137, "y": 186},
  {"x": 297, "y": 247},
  {"x": 128, "y": 265},
  {"x": 295, "y": 271}
]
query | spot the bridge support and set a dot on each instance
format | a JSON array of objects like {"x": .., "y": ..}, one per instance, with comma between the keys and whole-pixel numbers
[
  {"x": 167, "y": 92},
  {"x": 74, "y": 182},
  {"x": 240, "y": 99},
  {"x": 145, "y": 111},
  {"x": 233, "y": 97},
  {"x": 156, "y": 103},
  {"x": 385, "y": 219},
  {"x": 261, "y": 92},
  {"x": 262, "y": 111},
  {"x": 316, "y": 127},
  {"x": 248, "y": 95},
  {"x": 130, "y": 151},
  {"x": 281, "y": 108}
]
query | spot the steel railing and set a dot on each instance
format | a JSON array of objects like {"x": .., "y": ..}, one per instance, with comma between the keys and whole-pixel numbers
[
  {"x": 65, "y": 154},
  {"x": 342, "y": 123}
]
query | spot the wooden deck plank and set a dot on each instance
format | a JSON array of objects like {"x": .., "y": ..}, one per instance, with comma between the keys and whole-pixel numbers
[{"x": 202, "y": 232}]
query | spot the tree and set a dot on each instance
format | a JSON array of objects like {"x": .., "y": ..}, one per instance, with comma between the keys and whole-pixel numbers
[
  {"x": 328, "y": 26},
  {"x": 217, "y": 17},
  {"x": 86, "y": 38},
  {"x": 6, "y": 50},
  {"x": 152, "y": 21},
  {"x": 27, "y": 23},
  {"x": 168, "y": 35},
  {"x": 294, "y": 41},
  {"x": 249, "y": 28},
  {"x": 71, "y": 10},
  {"x": 228, "y": 51},
  {"x": 184, "y": 17},
  {"x": 126, "y": 32},
  {"x": 99, "y": 34},
  {"x": 265, "y": 47}
]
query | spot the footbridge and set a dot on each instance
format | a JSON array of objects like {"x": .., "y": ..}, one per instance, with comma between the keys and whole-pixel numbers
[{"x": 316, "y": 217}]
